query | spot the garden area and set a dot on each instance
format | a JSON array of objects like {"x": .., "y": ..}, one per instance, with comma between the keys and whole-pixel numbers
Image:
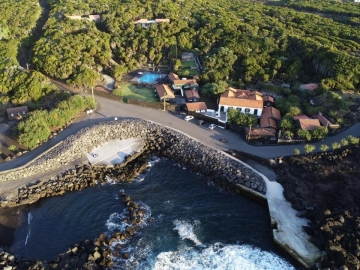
[
  {"x": 189, "y": 68},
  {"x": 136, "y": 91}
]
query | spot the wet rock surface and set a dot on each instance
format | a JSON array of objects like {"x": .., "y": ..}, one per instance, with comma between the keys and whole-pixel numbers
[{"x": 325, "y": 189}]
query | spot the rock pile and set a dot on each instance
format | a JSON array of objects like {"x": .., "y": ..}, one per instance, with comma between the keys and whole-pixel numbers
[
  {"x": 325, "y": 188},
  {"x": 98, "y": 253}
]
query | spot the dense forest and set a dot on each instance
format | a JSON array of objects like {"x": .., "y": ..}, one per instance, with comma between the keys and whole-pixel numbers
[{"x": 242, "y": 43}]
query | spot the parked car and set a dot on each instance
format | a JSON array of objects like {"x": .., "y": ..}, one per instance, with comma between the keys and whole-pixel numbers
[
  {"x": 201, "y": 122},
  {"x": 212, "y": 126},
  {"x": 188, "y": 118}
]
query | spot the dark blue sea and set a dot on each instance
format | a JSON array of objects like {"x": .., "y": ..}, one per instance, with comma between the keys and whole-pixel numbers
[{"x": 192, "y": 224}]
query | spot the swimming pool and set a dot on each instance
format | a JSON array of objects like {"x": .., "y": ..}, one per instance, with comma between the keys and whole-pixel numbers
[{"x": 150, "y": 78}]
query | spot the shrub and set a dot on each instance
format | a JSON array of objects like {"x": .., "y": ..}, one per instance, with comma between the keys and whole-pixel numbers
[
  {"x": 304, "y": 134},
  {"x": 344, "y": 142},
  {"x": 319, "y": 133},
  {"x": 117, "y": 92},
  {"x": 309, "y": 148},
  {"x": 335, "y": 145},
  {"x": 297, "y": 151},
  {"x": 324, "y": 147},
  {"x": 353, "y": 140},
  {"x": 12, "y": 148}
]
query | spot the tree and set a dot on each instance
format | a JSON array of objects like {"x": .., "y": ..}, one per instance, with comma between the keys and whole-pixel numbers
[
  {"x": 296, "y": 151},
  {"x": 214, "y": 89},
  {"x": 287, "y": 122},
  {"x": 304, "y": 134},
  {"x": 241, "y": 119},
  {"x": 319, "y": 133},
  {"x": 309, "y": 148}
]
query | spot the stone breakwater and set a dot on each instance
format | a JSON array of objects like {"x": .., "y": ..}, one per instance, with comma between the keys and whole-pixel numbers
[
  {"x": 158, "y": 140},
  {"x": 99, "y": 253}
]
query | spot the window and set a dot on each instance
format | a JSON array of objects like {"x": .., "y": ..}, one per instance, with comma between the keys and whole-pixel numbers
[
  {"x": 256, "y": 111},
  {"x": 239, "y": 109},
  {"x": 247, "y": 110},
  {"x": 12, "y": 115}
]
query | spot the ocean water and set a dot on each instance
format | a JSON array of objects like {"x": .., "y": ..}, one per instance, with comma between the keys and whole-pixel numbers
[{"x": 191, "y": 224}]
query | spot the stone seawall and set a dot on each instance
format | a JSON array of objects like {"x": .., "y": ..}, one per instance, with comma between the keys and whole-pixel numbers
[{"x": 158, "y": 140}]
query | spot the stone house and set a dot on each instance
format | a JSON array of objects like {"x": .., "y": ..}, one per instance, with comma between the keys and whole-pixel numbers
[{"x": 270, "y": 117}]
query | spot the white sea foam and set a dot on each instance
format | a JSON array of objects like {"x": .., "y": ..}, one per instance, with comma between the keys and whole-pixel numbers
[
  {"x": 186, "y": 230},
  {"x": 30, "y": 216},
  {"x": 153, "y": 160},
  {"x": 222, "y": 257}
]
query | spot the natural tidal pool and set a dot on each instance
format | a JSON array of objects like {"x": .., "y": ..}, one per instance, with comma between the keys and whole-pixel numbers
[{"x": 192, "y": 224}]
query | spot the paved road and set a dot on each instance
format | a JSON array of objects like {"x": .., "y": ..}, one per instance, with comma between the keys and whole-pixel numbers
[{"x": 109, "y": 109}]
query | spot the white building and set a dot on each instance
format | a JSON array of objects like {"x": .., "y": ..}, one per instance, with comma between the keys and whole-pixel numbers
[{"x": 245, "y": 101}]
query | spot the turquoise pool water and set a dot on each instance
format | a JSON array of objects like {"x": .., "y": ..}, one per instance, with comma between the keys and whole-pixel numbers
[{"x": 150, "y": 78}]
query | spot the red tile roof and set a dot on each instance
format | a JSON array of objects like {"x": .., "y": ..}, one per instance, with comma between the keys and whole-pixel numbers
[
  {"x": 268, "y": 98},
  {"x": 271, "y": 112},
  {"x": 173, "y": 77},
  {"x": 260, "y": 132},
  {"x": 267, "y": 122},
  {"x": 297, "y": 117},
  {"x": 240, "y": 93},
  {"x": 309, "y": 124},
  {"x": 239, "y": 102},
  {"x": 183, "y": 82},
  {"x": 309, "y": 86},
  {"x": 325, "y": 122},
  {"x": 164, "y": 90},
  {"x": 192, "y": 93},
  {"x": 196, "y": 106}
]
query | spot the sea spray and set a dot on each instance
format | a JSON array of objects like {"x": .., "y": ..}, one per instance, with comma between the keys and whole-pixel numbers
[
  {"x": 30, "y": 216},
  {"x": 218, "y": 256},
  {"x": 186, "y": 230}
]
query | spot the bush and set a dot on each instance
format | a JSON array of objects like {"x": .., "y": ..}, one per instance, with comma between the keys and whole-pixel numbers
[
  {"x": 309, "y": 148},
  {"x": 319, "y": 133},
  {"x": 324, "y": 147},
  {"x": 117, "y": 92},
  {"x": 297, "y": 151},
  {"x": 36, "y": 127},
  {"x": 304, "y": 134},
  {"x": 353, "y": 140},
  {"x": 12, "y": 148},
  {"x": 344, "y": 142},
  {"x": 335, "y": 145}
]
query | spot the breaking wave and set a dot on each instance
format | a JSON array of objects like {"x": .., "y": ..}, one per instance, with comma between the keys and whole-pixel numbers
[
  {"x": 219, "y": 256},
  {"x": 30, "y": 216}
]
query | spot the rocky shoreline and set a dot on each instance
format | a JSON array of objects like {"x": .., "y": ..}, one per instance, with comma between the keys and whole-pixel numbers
[
  {"x": 325, "y": 188},
  {"x": 99, "y": 253},
  {"x": 158, "y": 140}
]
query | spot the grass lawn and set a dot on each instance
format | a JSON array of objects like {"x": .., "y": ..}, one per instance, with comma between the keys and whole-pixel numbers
[
  {"x": 188, "y": 63},
  {"x": 131, "y": 91}
]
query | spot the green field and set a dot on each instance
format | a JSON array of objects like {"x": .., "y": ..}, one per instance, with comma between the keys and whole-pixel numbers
[
  {"x": 130, "y": 91},
  {"x": 188, "y": 64}
]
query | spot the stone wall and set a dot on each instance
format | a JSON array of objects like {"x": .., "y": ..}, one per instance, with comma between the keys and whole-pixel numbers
[{"x": 159, "y": 140}]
